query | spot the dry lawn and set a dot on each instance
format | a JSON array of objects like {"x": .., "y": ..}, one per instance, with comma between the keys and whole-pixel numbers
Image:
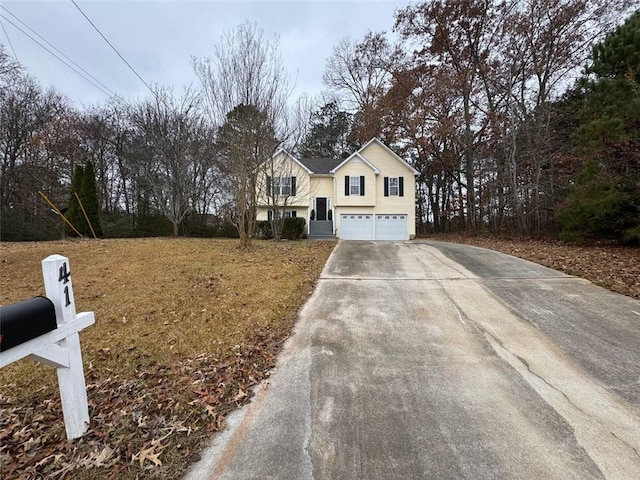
[{"x": 184, "y": 328}]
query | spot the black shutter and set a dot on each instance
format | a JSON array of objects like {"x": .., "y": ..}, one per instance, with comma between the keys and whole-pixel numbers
[
  {"x": 401, "y": 186},
  {"x": 268, "y": 187},
  {"x": 386, "y": 186},
  {"x": 362, "y": 185},
  {"x": 270, "y": 215},
  {"x": 346, "y": 185},
  {"x": 294, "y": 214},
  {"x": 293, "y": 186}
]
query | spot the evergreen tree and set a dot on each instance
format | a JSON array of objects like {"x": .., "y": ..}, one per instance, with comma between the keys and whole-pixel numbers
[
  {"x": 619, "y": 54},
  {"x": 600, "y": 205},
  {"x": 88, "y": 194},
  {"x": 74, "y": 213},
  {"x": 605, "y": 200},
  {"x": 329, "y": 134}
]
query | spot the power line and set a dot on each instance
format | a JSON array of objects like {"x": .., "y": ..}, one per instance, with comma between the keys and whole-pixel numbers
[
  {"x": 57, "y": 50},
  {"x": 60, "y": 59},
  {"x": 114, "y": 48},
  {"x": 9, "y": 40}
]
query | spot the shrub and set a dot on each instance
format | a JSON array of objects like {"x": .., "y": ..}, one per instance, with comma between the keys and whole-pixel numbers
[
  {"x": 263, "y": 230},
  {"x": 293, "y": 228}
]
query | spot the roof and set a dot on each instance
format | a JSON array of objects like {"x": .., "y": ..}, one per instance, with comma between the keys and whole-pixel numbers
[{"x": 321, "y": 166}]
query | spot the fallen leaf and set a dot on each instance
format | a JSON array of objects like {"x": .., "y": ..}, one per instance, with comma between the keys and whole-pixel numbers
[{"x": 147, "y": 454}]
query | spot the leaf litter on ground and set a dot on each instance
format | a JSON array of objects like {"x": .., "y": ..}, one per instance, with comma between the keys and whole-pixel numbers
[{"x": 184, "y": 329}]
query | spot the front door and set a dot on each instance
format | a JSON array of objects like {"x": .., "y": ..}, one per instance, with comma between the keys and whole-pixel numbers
[{"x": 321, "y": 208}]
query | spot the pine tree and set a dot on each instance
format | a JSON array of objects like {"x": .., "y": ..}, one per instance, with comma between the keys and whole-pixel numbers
[
  {"x": 73, "y": 213},
  {"x": 605, "y": 200},
  {"x": 329, "y": 132},
  {"x": 88, "y": 194}
]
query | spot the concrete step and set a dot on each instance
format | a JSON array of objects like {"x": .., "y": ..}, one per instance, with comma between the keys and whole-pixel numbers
[
  {"x": 315, "y": 231},
  {"x": 320, "y": 228},
  {"x": 321, "y": 237}
]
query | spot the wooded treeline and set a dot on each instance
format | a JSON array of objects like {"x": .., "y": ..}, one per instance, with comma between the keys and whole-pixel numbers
[
  {"x": 152, "y": 159},
  {"x": 521, "y": 117}
]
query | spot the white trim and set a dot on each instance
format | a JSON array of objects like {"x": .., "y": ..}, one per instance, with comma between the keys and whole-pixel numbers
[
  {"x": 282, "y": 150},
  {"x": 360, "y": 157},
  {"x": 396, "y": 186}
]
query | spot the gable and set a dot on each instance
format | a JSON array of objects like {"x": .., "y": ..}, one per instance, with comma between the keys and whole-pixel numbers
[
  {"x": 384, "y": 158},
  {"x": 283, "y": 160},
  {"x": 379, "y": 158},
  {"x": 356, "y": 158}
]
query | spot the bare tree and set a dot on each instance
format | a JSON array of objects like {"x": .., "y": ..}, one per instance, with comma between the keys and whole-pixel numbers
[
  {"x": 548, "y": 43},
  {"x": 10, "y": 70},
  {"x": 360, "y": 74},
  {"x": 28, "y": 162},
  {"x": 171, "y": 156},
  {"x": 247, "y": 90}
]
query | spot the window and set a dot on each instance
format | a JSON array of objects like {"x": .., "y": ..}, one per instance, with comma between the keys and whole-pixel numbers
[
  {"x": 281, "y": 186},
  {"x": 394, "y": 188},
  {"x": 279, "y": 215},
  {"x": 354, "y": 185}
]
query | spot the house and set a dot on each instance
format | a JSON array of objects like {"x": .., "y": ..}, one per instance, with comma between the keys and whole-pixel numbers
[{"x": 368, "y": 196}]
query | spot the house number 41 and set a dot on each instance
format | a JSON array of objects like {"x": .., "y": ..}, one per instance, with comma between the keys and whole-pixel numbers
[{"x": 64, "y": 278}]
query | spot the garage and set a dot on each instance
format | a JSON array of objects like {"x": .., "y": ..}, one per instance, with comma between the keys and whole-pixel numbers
[
  {"x": 356, "y": 227},
  {"x": 391, "y": 227},
  {"x": 374, "y": 227}
]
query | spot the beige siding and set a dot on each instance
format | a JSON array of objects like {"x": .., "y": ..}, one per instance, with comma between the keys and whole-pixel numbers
[
  {"x": 322, "y": 187},
  {"x": 356, "y": 168},
  {"x": 379, "y": 156},
  {"x": 262, "y": 214},
  {"x": 373, "y": 202},
  {"x": 283, "y": 166},
  {"x": 389, "y": 166}
]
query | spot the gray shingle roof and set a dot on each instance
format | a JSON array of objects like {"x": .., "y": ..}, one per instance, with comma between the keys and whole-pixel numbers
[{"x": 321, "y": 165}]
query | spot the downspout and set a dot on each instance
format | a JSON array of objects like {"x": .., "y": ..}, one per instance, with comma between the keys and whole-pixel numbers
[{"x": 335, "y": 208}]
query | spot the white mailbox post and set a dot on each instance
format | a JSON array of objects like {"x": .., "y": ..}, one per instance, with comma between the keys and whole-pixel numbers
[{"x": 60, "y": 348}]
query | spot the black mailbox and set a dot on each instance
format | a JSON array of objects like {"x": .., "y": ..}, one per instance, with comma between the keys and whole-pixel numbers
[{"x": 23, "y": 321}]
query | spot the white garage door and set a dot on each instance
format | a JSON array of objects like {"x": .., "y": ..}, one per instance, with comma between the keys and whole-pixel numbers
[
  {"x": 391, "y": 227},
  {"x": 356, "y": 227}
]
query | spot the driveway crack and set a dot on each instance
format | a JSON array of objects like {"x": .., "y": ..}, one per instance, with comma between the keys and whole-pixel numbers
[{"x": 498, "y": 345}]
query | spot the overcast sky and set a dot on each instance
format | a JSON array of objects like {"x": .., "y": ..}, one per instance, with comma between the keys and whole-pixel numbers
[{"x": 158, "y": 38}]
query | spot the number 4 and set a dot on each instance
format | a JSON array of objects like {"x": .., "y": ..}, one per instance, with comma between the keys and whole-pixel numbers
[{"x": 64, "y": 273}]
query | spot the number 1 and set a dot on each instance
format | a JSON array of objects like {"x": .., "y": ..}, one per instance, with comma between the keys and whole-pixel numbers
[{"x": 66, "y": 296}]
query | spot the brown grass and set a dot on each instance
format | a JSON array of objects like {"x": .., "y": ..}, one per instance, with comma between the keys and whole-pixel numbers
[{"x": 177, "y": 321}]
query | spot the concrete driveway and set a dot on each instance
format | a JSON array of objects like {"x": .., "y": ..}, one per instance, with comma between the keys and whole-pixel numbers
[{"x": 427, "y": 360}]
